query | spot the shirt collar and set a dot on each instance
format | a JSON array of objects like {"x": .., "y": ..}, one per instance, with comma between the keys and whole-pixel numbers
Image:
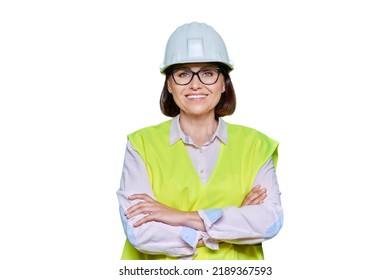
[{"x": 176, "y": 133}]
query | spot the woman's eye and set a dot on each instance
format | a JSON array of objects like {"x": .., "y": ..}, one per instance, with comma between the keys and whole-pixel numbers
[
  {"x": 208, "y": 72},
  {"x": 184, "y": 74}
]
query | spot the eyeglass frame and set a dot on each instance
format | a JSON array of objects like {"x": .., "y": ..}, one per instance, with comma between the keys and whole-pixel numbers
[{"x": 197, "y": 74}]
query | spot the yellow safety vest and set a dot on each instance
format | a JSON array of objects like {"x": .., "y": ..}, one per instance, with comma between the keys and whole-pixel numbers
[{"x": 176, "y": 183}]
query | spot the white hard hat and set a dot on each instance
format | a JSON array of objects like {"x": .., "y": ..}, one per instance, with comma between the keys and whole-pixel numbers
[{"x": 195, "y": 42}]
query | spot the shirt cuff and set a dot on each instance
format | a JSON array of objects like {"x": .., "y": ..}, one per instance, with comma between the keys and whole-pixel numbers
[
  {"x": 209, "y": 242},
  {"x": 190, "y": 236},
  {"x": 210, "y": 216}
]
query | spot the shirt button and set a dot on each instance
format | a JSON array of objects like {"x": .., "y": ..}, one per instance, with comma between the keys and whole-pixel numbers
[{"x": 201, "y": 171}]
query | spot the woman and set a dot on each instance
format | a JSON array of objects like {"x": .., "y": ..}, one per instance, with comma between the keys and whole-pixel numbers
[{"x": 196, "y": 187}]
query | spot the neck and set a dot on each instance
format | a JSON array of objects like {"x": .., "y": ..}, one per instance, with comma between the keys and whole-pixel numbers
[{"x": 199, "y": 128}]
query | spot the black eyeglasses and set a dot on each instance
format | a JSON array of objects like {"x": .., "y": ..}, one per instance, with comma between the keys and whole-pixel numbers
[{"x": 207, "y": 75}]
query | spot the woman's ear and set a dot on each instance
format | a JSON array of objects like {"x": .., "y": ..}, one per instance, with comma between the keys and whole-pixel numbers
[{"x": 169, "y": 86}]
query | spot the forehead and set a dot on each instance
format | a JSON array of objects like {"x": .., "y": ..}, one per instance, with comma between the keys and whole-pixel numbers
[{"x": 195, "y": 66}]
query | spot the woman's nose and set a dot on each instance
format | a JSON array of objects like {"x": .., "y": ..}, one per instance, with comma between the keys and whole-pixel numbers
[{"x": 195, "y": 83}]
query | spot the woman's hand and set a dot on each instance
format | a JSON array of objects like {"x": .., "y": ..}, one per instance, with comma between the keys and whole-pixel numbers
[
  {"x": 154, "y": 210},
  {"x": 158, "y": 212},
  {"x": 255, "y": 196}
]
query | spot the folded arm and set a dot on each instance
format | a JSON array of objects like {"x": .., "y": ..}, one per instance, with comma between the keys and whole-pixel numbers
[
  {"x": 154, "y": 237},
  {"x": 154, "y": 228},
  {"x": 248, "y": 224}
]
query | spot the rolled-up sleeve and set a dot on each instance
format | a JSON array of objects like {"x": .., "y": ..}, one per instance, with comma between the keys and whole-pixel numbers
[{"x": 151, "y": 237}]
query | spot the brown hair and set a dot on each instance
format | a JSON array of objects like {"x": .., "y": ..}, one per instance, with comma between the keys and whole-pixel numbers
[{"x": 226, "y": 106}]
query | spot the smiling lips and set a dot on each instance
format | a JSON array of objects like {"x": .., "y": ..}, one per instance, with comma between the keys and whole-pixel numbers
[{"x": 196, "y": 96}]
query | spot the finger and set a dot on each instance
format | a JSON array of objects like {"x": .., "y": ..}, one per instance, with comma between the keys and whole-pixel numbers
[
  {"x": 259, "y": 200},
  {"x": 142, "y": 196},
  {"x": 146, "y": 219},
  {"x": 139, "y": 208},
  {"x": 150, "y": 216},
  {"x": 259, "y": 190},
  {"x": 255, "y": 194},
  {"x": 244, "y": 203},
  {"x": 135, "y": 207},
  {"x": 249, "y": 197},
  {"x": 247, "y": 201},
  {"x": 138, "y": 212}
]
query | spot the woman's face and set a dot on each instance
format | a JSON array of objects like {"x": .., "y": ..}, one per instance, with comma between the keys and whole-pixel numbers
[{"x": 196, "y": 98}]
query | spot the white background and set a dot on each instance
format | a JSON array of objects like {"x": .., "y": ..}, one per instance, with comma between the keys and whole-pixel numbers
[{"x": 77, "y": 76}]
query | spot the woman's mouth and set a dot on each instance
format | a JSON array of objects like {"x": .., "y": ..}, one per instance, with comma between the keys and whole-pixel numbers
[{"x": 196, "y": 96}]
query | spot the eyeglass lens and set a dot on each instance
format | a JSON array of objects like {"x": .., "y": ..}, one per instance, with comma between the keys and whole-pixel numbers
[{"x": 207, "y": 75}]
